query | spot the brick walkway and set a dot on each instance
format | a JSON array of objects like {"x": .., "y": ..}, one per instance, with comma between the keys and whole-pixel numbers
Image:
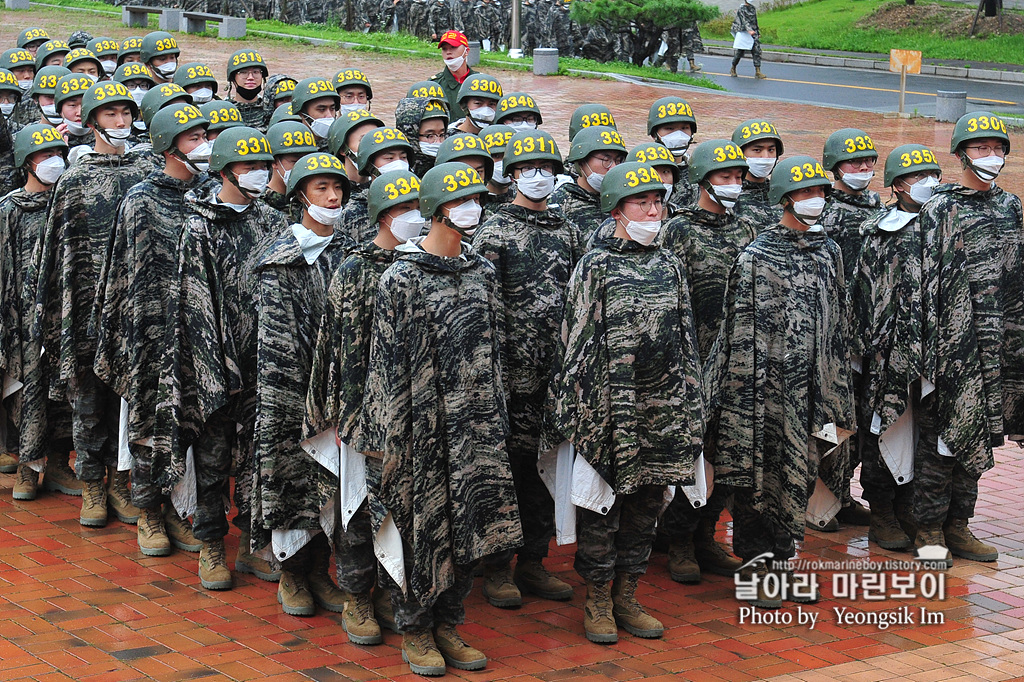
[{"x": 85, "y": 604}]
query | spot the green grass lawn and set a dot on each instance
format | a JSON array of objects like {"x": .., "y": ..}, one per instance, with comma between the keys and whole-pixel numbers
[{"x": 830, "y": 25}]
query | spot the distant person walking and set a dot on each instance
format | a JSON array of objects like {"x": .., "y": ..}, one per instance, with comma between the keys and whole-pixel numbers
[{"x": 746, "y": 22}]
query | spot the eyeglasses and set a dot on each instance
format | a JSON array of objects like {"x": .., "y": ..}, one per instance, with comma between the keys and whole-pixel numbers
[
  {"x": 245, "y": 73},
  {"x": 350, "y": 97},
  {"x": 434, "y": 137},
  {"x": 606, "y": 160},
  {"x": 988, "y": 150},
  {"x": 527, "y": 118},
  {"x": 532, "y": 172},
  {"x": 645, "y": 205}
]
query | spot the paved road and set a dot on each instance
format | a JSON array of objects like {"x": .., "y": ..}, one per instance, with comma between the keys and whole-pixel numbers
[{"x": 876, "y": 91}]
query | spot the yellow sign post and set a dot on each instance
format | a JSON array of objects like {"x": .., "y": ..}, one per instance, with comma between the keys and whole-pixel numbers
[{"x": 904, "y": 62}]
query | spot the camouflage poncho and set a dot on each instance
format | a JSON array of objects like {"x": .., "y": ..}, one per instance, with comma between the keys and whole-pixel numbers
[
  {"x": 973, "y": 295},
  {"x": 493, "y": 203},
  {"x": 355, "y": 223},
  {"x": 684, "y": 192},
  {"x": 342, "y": 354},
  {"x": 290, "y": 487},
  {"x": 10, "y": 176},
  {"x": 753, "y": 207},
  {"x": 843, "y": 219},
  {"x": 533, "y": 253},
  {"x": 580, "y": 206},
  {"x": 708, "y": 244},
  {"x": 134, "y": 295},
  {"x": 212, "y": 340},
  {"x": 83, "y": 212},
  {"x": 779, "y": 372},
  {"x": 40, "y": 421},
  {"x": 408, "y": 115},
  {"x": 626, "y": 388},
  {"x": 435, "y": 408}
]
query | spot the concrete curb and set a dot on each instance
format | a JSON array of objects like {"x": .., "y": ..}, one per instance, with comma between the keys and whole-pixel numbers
[{"x": 990, "y": 75}]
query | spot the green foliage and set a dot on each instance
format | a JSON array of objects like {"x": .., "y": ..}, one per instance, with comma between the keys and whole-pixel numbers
[{"x": 657, "y": 12}]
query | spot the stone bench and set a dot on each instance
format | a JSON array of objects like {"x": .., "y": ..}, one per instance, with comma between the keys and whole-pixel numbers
[
  {"x": 230, "y": 27},
  {"x": 137, "y": 16}
]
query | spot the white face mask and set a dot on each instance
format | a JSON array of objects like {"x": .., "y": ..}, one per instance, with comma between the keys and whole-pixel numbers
[
  {"x": 109, "y": 66},
  {"x": 75, "y": 128},
  {"x": 921, "y": 191},
  {"x": 668, "y": 190},
  {"x": 202, "y": 96},
  {"x": 761, "y": 168},
  {"x": 324, "y": 216},
  {"x": 482, "y": 115},
  {"x": 407, "y": 225},
  {"x": 430, "y": 148},
  {"x": 349, "y": 108},
  {"x": 396, "y": 165},
  {"x": 465, "y": 217},
  {"x": 116, "y": 137},
  {"x": 199, "y": 158},
  {"x": 857, "y": 181},
  {"x": 310, "y": 242},
  {"x": 25, "y": 83},
  {"x": 137, "y": 95},
  {"x": 677, "y": 141},
  {"x": 284, "y": 176},
  {"x": 167, "y": 70},
  {"x": 496, "y": 177},
  {"x": 321, "y": 126},
  {"x": 49, "y": 170},
  {"x": 987, "y": 168},
  {"x": 455, "y": 63},
  {"x": 7, "y": 108},
  {"x": 808, "y": 210},
  {"x": 50, "y": 112},
  {"x": 254, "y": 181},
  {"x": 94, "y": 79},
  {"x": 536, "y": 188},
  {"x": 523, "y": 125},
  {"x": 726, "y": 195},
  {"x": 643, "y": 231}
]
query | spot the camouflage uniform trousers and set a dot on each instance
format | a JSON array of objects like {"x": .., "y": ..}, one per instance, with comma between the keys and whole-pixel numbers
[
  {"x": 95, "y": 419},
  {"x": 942, "y": 488},
  {"x": 411, "y": 616},
  {"x": 212, "y": 454},
  {"x": 621, "y": 540},
  {"x": 681, "y": 518},
  {"x": 536, "y": 513},
  {"x": 671, "y": 56},
  {"x": 354, "y": 558},
  {"x": 755, "y": 55}
]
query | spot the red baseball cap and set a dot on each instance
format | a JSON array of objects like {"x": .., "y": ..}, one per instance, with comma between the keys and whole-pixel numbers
[{"x": 454, "y": 38}]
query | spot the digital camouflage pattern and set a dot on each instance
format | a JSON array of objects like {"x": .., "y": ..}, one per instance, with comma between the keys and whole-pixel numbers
[
  {"x": 684, "y": 192},
  {"x": 408, "y": 115},
  {"x": 355, "y": 222},
  {"x": 435, "y": 408},
  {"x": 74, "y": 248},
  {"x": 843, "y": 218},
  {"x": 627, "y": 389},
  {"x": 492, "y": 203},
  {"x": 746, "y": 20},
  {"x": 753, "y": 206},
  {"x": 290, "y": 487},
  {"x": 779, "y": 372},
  {"x": 580, "y": 207},
  {"x": 212, "y": 360},
  {"x": 40, "y": 421},
  {"x": 973, "y": 290},
  {"x": 132, "y": 302},
  {"x": 254, "y": 114},
  {"x": 11, "y": 177},
  {"x": 708, "y": 244},
  {"x": 341, "y": 357}
]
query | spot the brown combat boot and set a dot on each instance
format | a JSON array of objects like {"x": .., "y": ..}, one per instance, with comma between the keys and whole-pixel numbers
[
  {"x": 8, "y": 463},
  {"x": 455, "y": 651},
  {"x": 382, "y": 609},
  {"x": 885, "y": 530},
  {"x": 930, "y": 547},
  {"x": 59, "y": 477},
  {"x": 293, "y": 590},
  {"x": 713, "y": 556},
  {"x": 325, "y": 593},
  {"x": 854, "y": 514},
  {"x": 214, "y": 573},
  {"x": 762, "y": 598},
  {"x": 247, "y": 562},
  {"x": 532, "y": 577},
  {"x": 961, "y": 542},
  {"x": 179, "y": 530},
  {"x": 421, "y": 653},
  {"x": 499, "y": 588},
  {"x": 759, "y": 75},
  {"x": 357, "y": 620},
  {"x": 694, "y": 66},
  {"x": 629, "y": 613},
  {"x": 94, "y": 505},
  {"x": 682, "y": 562},
  {"x": 120, "y": 498},
  {"x": 26, "y": 487},
  {"x": 732, "y": 72},
  {"x": 598, "y": 621},
  {"x": 905, "y": 517},
  {"x": 152, "y": 533}
]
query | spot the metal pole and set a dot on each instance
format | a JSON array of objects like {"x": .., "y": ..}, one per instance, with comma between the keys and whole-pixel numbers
[
  {"x": 903, "y": 86},
  {"x": 515, "y": 44}
]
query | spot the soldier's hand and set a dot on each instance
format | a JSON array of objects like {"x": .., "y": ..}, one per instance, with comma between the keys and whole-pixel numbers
[
  {"x": 63, "y": 130},
  {"x": 753, "y": 34}
]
